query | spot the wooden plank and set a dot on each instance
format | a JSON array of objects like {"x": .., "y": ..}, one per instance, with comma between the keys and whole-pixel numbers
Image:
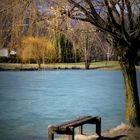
[
  {"x": 73, "y": 121},
  {"x": 76, "y": 123}
]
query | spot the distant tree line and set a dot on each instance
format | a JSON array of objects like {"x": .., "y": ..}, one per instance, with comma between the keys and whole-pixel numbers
[{"x": 39, "y": 33}]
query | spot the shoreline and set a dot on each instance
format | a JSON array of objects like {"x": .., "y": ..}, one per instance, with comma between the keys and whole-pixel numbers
[
  {"x": 121, "y": 132},
  {"x": 103, "y": 65},
  {"x": 47, "y": 69},
  {"x": 111, "y": 65}
]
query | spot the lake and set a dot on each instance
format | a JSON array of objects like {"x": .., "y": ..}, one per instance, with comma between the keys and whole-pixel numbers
[{"x": 31, "y": 100}]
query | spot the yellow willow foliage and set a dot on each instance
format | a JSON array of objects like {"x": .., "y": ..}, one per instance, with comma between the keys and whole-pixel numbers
[{"x": 38, "y": 48}]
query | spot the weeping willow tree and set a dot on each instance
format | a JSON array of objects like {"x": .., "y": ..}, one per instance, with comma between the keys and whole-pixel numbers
[
  {"x": 121, "y": 20},
  {"x": 39, "y": 49}
]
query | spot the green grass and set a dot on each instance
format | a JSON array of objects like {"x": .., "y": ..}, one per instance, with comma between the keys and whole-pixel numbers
[{"x": 95, "y": 65}]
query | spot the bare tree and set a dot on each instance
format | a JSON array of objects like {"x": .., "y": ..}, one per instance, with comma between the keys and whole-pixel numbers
[
  {"x": 121, "y": 19},
  {"x": 105, "y": 46}
]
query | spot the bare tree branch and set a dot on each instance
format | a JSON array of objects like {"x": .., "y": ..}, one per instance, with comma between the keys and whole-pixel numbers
[
  {"x": 94, "y": 13},
  {"x": 130, "y": 18},
  {"x": 93, "y": 18},
  {"x": 125, "y": 34},
  {"x": 111, "y": 17}
]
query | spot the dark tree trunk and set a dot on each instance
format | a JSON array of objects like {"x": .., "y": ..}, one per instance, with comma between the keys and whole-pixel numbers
[
  {"x": 39, "y": 63},
  {"x": 87, "y": 65},
  {"x": 127, "y": 62}
]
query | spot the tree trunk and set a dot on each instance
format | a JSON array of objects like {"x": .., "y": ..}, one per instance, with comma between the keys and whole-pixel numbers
[
  {"x": 132, "y": 100},
  {"x": 39, "y": 64},
  {"x": 87, "y": 53},
  {"x": 87, "y": 65}
]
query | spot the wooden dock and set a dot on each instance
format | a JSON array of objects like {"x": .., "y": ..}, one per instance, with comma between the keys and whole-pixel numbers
[{"x": 68, "y": 128}]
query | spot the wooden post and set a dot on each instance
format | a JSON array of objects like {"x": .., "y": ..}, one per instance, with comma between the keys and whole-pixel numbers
[
  {"x": 80, "y": 130},
  {"x": 50, "y": 133},
  {"x": 51, "y": 137},
  {"x": 98, "y": 126},
  {"x": 72, "y": 129}
]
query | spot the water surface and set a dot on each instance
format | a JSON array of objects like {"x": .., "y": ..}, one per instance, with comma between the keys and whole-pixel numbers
[{"x": 31, "y": 100}]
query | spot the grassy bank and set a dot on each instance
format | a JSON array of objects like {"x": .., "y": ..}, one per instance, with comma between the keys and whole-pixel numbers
[{"x": 111, "y": 65}]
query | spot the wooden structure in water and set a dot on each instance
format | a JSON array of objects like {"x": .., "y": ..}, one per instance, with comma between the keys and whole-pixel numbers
[{"x": 67, "y": 128}]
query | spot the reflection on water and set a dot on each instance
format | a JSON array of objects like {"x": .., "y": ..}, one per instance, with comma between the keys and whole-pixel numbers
[{"x": 30, "y": 101}]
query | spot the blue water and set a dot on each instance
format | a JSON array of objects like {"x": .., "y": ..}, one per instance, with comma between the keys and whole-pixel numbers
[{"x": 31, "y": 100}]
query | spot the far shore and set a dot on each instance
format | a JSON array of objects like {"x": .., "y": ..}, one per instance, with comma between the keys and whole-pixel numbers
[
  {"x": 103, "y": 65},
  {"x": 111, "y": 65}
]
